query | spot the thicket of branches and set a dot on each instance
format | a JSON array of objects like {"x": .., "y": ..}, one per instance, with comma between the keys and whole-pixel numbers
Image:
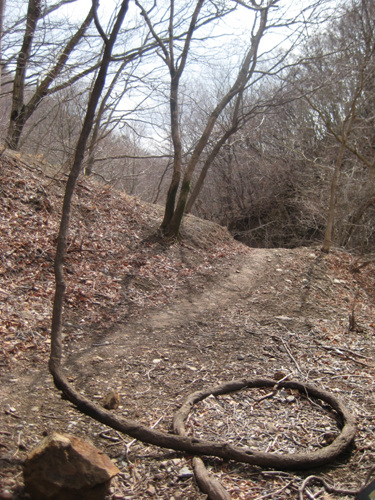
[
  {"x": 264, "y": 125},
  {"x": 310, "y": 154}
]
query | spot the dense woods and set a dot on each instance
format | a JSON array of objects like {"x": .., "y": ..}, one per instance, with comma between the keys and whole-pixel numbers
[{"x": 256, "y": 116}]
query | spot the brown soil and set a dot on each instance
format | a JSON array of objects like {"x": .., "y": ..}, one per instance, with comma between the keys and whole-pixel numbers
[{"x": 156, "y": 322}]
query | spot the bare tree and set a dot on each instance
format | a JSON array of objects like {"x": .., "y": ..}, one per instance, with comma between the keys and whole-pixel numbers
[
  {"x": 316, "y": 139},
  {"x": 56, "y": 340},
  {"x": 211, "y": 139},
  {"x": 256, "y": 180},
  {"x": 21, "y": 111},
  {"x": 176, "y": 64},
  {"x": 338, "y": 85}
]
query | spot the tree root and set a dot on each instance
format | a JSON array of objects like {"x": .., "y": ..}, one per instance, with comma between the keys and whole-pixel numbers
[
  {"x": 333, "y": 489},
  {"x": 222, "y": 450},
  {"x": 211, "y": 486},
  {"x": 328, "y": 487},
  {"x": 208, "y": 484}
]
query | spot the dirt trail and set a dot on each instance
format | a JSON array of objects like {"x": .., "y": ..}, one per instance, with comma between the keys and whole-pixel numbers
[
  {"x": 229, "y": 289},
  {"x": 264, "y": 311},
  {"x": 156, "y": 322},
  {"x": 252, "y": 275},
  {"x": 229, "y": 321}
]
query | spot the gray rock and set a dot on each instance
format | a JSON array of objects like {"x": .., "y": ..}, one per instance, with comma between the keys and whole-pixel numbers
[{"x": 185, "y": 473}]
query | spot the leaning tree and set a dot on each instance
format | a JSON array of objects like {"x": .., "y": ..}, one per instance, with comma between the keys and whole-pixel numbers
[{"x": 42, "y": 68}]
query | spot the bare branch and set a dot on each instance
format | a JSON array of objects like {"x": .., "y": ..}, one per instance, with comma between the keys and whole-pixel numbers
[{"x": 95, "y": 5}]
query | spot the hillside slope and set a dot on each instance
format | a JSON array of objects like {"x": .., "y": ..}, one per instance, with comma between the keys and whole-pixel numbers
[{"x": 156, "y": 322}]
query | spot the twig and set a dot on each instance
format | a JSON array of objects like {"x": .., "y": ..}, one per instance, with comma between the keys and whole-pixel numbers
[
  {"x": 268, "y": 395},
  {"x": 354, "y": 353},
  {"x": 291, "y": 355},
  {"x": 368, "y": 475},
  {"x": 104, "y": 435},
  {"x": 277, "y": 492},
  {"x": 340, "y": 352},
  {"x": 329, "y": 488},
  {"x": 271, "y": 445},
  {"x": 275, "y": 389}
]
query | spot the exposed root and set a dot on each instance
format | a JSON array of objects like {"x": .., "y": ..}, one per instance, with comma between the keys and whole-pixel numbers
[
  {"x": 223, "y": 450},
  {"x": 213, "y": 488}
]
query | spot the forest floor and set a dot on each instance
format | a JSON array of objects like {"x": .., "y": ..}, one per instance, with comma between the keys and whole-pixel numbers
[{"x": 156, "y": 322}]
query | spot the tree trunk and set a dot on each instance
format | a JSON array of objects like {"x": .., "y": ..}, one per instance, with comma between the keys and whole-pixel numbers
[
  {"x": 21, "y": 112},
  {"x": 2, "y": 10},
  {"x": 328, "y": 237},
  {"x": 207, "y": 164},
  {"x": 17, "y": 114},
  {"x": 245, "y": 72},
  {"x": 56, "y": 341},
  {"x": 177, "y": 152}
]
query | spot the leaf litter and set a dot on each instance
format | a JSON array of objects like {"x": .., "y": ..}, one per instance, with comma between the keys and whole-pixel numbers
[{"x": 156, "y": 322}]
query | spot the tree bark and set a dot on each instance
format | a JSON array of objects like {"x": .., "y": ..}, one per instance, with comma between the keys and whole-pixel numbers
[
  {"x": 21, "y": 112},
  {"x": 207, "y": 164},
  {"x": 177, "y": 151},
  {"x": 17, "y": 114},
  {"x": 246, "y": 70},
  {"x": 2, "y": 11},
  {"x": 56, "y": 340}
]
